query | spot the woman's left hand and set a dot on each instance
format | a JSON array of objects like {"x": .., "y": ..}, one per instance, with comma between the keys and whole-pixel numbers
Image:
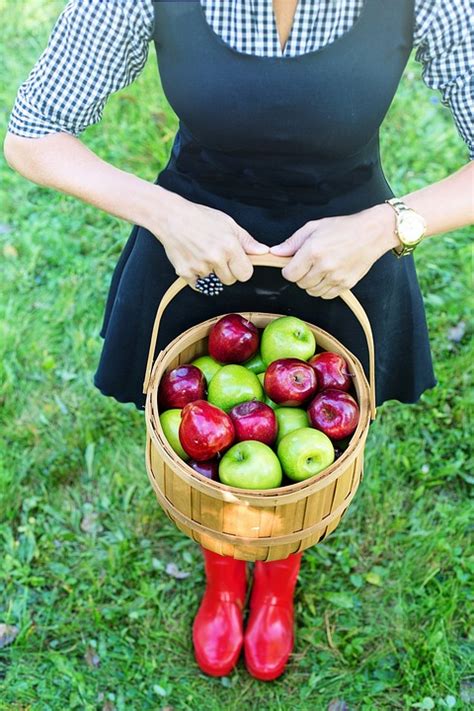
[{"x": 332, "y": 254}]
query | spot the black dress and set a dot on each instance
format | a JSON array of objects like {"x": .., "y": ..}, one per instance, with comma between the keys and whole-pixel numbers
[{"x": 274, "y": 142}]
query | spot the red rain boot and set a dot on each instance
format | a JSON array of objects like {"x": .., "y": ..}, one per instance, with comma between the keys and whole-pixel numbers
[
  {"x": 269, "y": 635},
  {"x": 218, "y": 628}
]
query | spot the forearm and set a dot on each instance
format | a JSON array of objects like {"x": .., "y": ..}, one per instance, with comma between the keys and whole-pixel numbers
[
  {"x": 62, "y": 162},
  {"x": 327, "y": 254},
  {"x": 445, "y": 205}
]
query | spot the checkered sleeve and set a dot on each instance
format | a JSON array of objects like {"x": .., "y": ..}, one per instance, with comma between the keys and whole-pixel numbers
[
  {"x": 96, "y": 47},
  {"x": 444, "y": 38}
]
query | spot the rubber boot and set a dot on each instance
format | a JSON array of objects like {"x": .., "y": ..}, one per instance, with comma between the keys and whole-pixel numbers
[
  {"x": 218, "y": 626},
  {"x": 269, "y": 636}
]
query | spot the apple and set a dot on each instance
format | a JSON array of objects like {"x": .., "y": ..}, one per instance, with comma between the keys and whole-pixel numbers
[
  {"x": 233, "y": 339},
  {"x": 255, "y": 364},
  {"x": 208, "y": 468},
  {"x": 334, "y": 412},
  {"x": 233, "y": 384},
  {"x": 289, "y": 419},
  {"x": 180, "y": 386},
  {"x": 254, "y": 420},
  {"x": 170, "y": 422},
  {"x": 290, "y": 381},
  {"x": 250, "y": 465},
  {"x": 332, "y": 371},
  {"x": 266, "y": 399},
  {"x": 304, "y": 453},
  {"x": 208, "y": 365},
  {"x": 205, "y": 430},
  {"x": 287, "y": 337}
]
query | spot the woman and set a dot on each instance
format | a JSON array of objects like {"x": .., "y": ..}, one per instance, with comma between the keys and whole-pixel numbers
[{"x": 277, "y": 150}]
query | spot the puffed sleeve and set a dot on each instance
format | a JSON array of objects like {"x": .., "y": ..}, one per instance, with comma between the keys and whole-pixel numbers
[
  {"x": 94, "y": 49},
  {"x": 444, "y": 36}
]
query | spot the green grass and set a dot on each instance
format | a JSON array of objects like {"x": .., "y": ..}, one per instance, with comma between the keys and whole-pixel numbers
[{"x": 382, "y": 606}]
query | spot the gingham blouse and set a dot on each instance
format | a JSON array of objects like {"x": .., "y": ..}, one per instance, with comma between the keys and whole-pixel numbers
[{"x": 97, "y": 47}]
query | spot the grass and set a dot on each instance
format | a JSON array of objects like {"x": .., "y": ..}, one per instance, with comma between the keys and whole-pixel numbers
[{"x": 382, "y": 606}]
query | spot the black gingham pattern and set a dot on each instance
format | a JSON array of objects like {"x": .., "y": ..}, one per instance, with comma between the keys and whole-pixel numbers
[{"x": 100, "y": 46}]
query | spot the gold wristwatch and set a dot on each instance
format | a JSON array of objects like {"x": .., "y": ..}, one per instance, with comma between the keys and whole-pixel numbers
[{"x": 410, "y": 227}]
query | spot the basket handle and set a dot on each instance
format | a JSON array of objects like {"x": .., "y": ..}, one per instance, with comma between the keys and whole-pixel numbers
[{"x": 270, "y": 260}]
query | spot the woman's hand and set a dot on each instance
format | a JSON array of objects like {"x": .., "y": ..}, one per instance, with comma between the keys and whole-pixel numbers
[
  {"x": 334, "y": 253},
  {"x": 199, "y": 239}
]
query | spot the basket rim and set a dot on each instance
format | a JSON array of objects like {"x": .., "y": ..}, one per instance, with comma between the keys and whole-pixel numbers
[{"x": 156, "y": 433}]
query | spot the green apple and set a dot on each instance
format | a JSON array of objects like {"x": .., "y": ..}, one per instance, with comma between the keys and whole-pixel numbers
[
  {"x": 266, "y": 399},
  {"x": 255, "y": 364},
  {"x": 233, "y": 384},
  {"x": 287, "y": 337},
  {"x": 208, "y": 366},
  {"x": 304, "y": 453},
  {"x": 170, "y": 422},
  {"x": 289, "y": 419},
  {"x": 250, "y": 465}
]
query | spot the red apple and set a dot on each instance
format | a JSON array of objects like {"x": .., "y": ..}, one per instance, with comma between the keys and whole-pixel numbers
[
  {"x": 208, "y": 468},
  {"x": 334, "y": 412},
  {"x": 181, "y": 385},
  {"x": 233, "y": 339},
  {"x": 254, "y": 420},
  {"x": 332, "y": 371},
  {"x": 205, "y": 430},
  {"x": 290, "y": 381}
]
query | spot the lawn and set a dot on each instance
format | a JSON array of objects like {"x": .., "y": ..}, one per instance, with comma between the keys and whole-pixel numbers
[{"x": 383, "y": 606}]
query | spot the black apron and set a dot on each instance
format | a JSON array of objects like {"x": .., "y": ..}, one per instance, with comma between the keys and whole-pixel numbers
[{"x": 274, "y": 142}]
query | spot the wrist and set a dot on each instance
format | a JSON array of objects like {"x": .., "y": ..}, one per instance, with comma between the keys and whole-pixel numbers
[
  {"x": 383, "y": 227},
  {"x": 159, "y": 206}
]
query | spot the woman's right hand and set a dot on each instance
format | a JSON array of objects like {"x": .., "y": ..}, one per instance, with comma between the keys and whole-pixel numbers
[{"x": 199, "y": 239}]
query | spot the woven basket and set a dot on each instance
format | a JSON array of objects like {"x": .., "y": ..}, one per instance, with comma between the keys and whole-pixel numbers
[{"x": 253, "y": 525}]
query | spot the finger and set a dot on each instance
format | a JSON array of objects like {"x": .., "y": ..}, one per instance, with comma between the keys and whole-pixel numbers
[
  {"x": 190, "y": 278},
  {"x": 240, "y": 266},
  {"x": 249, "y": 244},
  {"x": 192, "y": 274},
  {"x": 299, "y": 266},
  {"x": 312, "y": 278},
  {"x": 224, "y": 273},
  {"x": 291, "y": 245},
  {"x": 325, "y": 290},
  {"x": 332, "y": 293},
  {"x": 321, "y": 287}
]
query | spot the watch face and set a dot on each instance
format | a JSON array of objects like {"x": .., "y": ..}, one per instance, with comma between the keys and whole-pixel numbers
[{"x": 411, "y": 227}]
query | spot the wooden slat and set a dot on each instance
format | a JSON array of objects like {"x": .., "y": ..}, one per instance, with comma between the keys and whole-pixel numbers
[
  {"x": 248, "y": 553},
  {"x": 210, "y": 543},
  {"x": 279, "y": 552},
  {"x": 157, "y": 466},
  {"x": 196, "y": 514},
  {"x": 237, "y": 518},
  {"x": 188, "y": 354},
  {"x": 181, "y": 495},
  {"x": 212, "y": 513},
  {"x": 333, "y": 525},
  {"x": 228, "y": 549},
  {"x": 266, "y": 521},
  {"x": 343, "y": 488},
  {"x": 288, "y": 519},
  {"x": 318, "y": 505}
]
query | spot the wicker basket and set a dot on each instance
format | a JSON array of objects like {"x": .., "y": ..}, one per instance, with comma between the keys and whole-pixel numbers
[{"x": 253, "y": 525}]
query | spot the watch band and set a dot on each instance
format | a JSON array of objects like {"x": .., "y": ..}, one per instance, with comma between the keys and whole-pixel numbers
[{"x": 400, "y": 207}]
